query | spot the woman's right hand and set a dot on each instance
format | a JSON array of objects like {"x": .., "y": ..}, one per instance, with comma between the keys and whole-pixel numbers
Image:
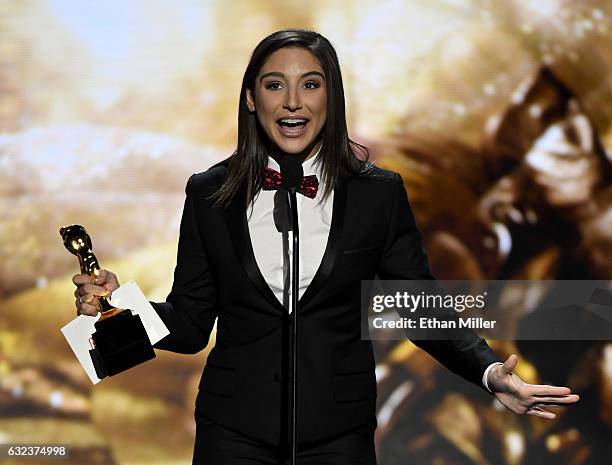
[{"x": 104, "y": 285}]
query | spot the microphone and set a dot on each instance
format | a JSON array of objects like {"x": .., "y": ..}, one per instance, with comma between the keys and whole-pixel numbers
[
  {"x": 291, "y": 178},
  {"x": 291, "y": 173}
]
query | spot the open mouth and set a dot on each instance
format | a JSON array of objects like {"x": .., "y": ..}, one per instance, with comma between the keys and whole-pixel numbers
[{"x": 292, "y": 127}]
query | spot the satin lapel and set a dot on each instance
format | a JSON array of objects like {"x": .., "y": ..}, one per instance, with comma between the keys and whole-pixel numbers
[
  {"x": 333, "y": 248},
  {"x": 237, "y": 225}
]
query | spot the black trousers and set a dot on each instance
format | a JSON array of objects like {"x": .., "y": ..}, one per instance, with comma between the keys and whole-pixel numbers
[{"x": 217, "y": 445}]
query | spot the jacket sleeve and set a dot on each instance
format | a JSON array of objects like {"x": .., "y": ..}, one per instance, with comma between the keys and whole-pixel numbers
[
  {"x": 463, "y": 352},
  {"x": 190, "y": 309}
]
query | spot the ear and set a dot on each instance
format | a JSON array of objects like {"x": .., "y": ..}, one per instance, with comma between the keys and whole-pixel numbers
[{"x": 250, "y": 101}]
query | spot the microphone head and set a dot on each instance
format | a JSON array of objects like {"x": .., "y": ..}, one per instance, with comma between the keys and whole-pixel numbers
[{"x": 291, "y": 172}]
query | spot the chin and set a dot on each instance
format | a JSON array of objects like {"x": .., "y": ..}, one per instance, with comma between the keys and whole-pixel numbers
[{"x": 295, "y": 147}]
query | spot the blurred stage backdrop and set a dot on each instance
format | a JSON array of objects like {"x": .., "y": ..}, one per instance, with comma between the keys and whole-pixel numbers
[{"x": 496, "y": 113}]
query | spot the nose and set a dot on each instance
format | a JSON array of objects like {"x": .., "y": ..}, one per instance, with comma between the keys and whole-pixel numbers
[{"x": 292, "y": 99}]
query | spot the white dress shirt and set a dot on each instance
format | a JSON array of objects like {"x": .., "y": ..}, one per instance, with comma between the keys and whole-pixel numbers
[{"x": 314, "y": 224}]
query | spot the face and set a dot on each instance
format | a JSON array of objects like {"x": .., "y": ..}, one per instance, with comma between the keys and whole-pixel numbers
[{"x": 290, "y": 102}]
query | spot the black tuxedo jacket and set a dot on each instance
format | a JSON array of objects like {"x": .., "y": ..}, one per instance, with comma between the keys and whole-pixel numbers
[{"x": 373, "y": 232}]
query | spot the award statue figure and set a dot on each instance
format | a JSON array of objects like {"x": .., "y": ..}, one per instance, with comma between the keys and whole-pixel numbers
[{"x": 120, "y": 340}]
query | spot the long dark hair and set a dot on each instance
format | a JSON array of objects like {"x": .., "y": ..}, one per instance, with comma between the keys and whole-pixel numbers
[{"x": 338, "y": 153}]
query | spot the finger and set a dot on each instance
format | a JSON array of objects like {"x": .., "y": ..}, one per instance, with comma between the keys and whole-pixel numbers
[
  {"x": 510, "y": 363},
  {"x": 110, "y": 287},
  {"x": 538, "y": 412},
  {"x": 569, "y": 399},
  {"x": 87, "y": 289},
  {"x": 555, "y": 405},
  {"x": 80, "y": 279},
  {"x": 101, "y": 276},
  {"x": 85, "y": 308},
  {"x": 547, "y": 390},
  {"x": 107, "y": 277},
  {"x": 86, "y": 299}
]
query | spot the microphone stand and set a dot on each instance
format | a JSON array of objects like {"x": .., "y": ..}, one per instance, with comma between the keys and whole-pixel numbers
[
  {"x": 294, "y": 300},
  {"x": 292, "y": 175}
]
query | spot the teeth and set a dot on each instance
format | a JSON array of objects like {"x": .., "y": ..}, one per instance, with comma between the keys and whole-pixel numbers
[{"x": 293, "y": 121}]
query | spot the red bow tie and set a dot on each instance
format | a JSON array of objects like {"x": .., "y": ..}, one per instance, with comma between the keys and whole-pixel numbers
[{"x": 272, "y": 181}]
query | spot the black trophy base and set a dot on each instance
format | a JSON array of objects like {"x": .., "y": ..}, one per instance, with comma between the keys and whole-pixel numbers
[{"x": 121, "y": 343}]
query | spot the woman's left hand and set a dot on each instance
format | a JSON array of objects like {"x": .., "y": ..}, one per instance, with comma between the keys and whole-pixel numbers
[{"x": 520, "y": 397}]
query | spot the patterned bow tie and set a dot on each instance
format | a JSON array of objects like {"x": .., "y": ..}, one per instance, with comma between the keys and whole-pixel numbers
[{"x": 272, "y": 181}]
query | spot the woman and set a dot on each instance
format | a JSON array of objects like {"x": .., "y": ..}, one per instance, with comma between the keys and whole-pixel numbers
[{"x": 355, "y": 223}]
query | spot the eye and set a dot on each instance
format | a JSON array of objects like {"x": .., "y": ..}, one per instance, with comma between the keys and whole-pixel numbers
[
  {"x": 312, "y": 85},
  {"x": 273, "y": 85}
]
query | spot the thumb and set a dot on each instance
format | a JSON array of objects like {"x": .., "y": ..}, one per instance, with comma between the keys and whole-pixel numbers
[
  {"x": 510, "y": 363},
  {"x": 108, "y": 279}
]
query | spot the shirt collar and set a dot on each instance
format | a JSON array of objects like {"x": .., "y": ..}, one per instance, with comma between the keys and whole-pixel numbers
[{"x": 310, "y": 166}]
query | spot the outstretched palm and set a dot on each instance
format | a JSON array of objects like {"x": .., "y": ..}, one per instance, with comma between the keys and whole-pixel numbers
[{"x": 521, "y": 397}]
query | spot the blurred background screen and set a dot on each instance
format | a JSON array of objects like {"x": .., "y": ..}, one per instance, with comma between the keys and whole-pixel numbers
[{"x": 496, "y": 114}]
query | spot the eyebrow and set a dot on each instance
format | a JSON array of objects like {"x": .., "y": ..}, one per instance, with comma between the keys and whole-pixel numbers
[{"x": 279, "y": 74}]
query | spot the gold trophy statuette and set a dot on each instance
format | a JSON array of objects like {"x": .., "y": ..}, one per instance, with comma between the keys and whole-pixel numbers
[
  {"x": 78, "y": 243},
  {"x": 121, "y": 340}
]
